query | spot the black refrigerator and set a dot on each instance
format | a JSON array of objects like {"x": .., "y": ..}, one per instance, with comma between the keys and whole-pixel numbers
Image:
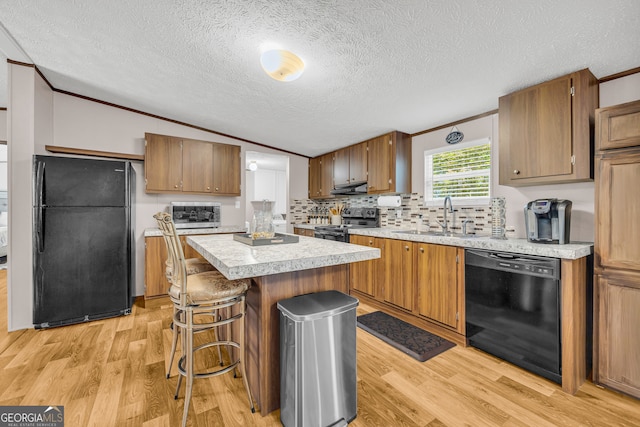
[{"x": 83, "y": 240}]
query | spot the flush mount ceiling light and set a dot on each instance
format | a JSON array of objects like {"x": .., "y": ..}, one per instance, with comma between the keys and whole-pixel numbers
[{"x": 282, "y": 65}]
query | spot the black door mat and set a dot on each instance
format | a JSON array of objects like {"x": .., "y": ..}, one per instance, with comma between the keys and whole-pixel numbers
[{"x": 416, "y": 342}]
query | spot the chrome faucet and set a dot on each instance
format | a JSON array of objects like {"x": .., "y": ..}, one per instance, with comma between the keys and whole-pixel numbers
[{"x": 445, "y": 226}]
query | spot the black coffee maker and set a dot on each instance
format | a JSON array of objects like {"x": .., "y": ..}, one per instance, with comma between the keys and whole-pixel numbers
[{"x": 548, "y": 221}]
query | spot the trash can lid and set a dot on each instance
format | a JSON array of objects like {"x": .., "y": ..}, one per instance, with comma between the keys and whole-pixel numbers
[{"x": 316, "y": 305}]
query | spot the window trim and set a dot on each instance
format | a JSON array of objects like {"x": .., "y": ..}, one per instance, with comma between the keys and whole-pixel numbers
[{"x": 475, "y": 201}]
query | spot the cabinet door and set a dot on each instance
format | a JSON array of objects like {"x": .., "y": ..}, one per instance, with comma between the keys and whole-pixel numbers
[
  {"x": 364, "y": 276},
  {"x": 379, "y": 163},
  {"x": 226, "y": 169},
  {"x": 437, "y": 282},
  {"x": 398, "y": 273},
  {"x": 536, "y": 123},
  {"x": 341, "y": 167},
  {"x": 197, "y": 158},
  {"x": 618, "y": 126},
  {"x": 155, "y": 255},
  {"x": 315, "y": 170},
  {"x": 358, "y": 162},
  {"x": 618, "y": 340},
  {"x": 617, "y": 207},
  {"x": 326, "y": 175},
  {"x": 162, "y": 163}
]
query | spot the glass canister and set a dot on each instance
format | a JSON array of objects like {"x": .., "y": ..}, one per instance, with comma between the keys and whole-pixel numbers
[
  {"x": 498, "y": 217},
  {"x": 262, "y": 221}
]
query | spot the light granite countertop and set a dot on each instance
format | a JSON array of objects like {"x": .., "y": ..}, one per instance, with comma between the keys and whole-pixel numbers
[
  {"x": 573, "y": 250},
  {"x": 237, "y": 260},
  {"x": 152, "y": 232}
]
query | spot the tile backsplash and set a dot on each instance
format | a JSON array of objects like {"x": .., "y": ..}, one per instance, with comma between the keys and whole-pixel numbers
[{"x": 412, "y": 213}]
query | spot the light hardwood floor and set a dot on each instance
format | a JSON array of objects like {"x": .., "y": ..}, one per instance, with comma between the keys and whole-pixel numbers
[{"x": 112, "y": 373}]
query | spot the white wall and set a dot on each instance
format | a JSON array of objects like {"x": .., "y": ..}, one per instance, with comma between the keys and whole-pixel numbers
[
  {"x": 3, "y": 125},
  {"x": 30, "y": 123},
  {"x": 617, "y": 91},
  {"x": 42, "y": 117}
]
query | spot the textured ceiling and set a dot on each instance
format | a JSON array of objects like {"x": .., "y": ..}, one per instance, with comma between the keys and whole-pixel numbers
[{"x": 372, "y": 65}]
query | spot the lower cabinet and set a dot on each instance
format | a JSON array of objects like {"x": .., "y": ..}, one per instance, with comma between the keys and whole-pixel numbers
[
  {"x": 617, "y": 337},
  {"x": 155, "y": 256},
  {"x": 303, "y": 231},
  {"x": 368, "y": 276},
  {"x": 438, "y": 283},
  {"x": 421, "y": 283},
  {"x": 398, "y": 286}
]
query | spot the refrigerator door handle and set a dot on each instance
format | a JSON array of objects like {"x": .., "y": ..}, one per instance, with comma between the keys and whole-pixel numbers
[
  {"x": 40, "y": 229},
  {"x": 39, "y": 183},
  {"x": 39, "y": 187}
]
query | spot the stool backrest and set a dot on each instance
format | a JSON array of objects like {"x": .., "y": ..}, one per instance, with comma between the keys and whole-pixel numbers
[{"x": 175, "y": 253}]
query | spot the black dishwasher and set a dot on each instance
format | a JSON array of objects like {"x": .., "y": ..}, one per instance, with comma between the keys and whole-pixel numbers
[{"x": 512, "y": 309}]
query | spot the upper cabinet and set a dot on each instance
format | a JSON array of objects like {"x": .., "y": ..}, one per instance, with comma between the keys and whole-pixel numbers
[
  {"x": 350, "y": 165},
  {"x": 321, "y": 176},
  {"x": 384, "y": 163},
  {"x": 226, "y": 169},
  {"x": 389, "y": 160},
  {"x": 197, "y": 158},
  {"x": 162, "y": 163},
  {"x": 618, "y": 126},
  {"x": 183, "y": 165},
  {"x": 546, "y": 131}
]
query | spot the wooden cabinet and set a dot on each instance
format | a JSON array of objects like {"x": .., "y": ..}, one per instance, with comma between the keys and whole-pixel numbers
[
  {"x": 420, "y": 283},
  {"x": 438, "y": 283},
  {"x": 350, "y": 165},
  {"x": 389, "y": 163},
  {"x": 398, "y": 286},
  {"x": 226, "y": 169},
  {"x": 178, "y": 165},
  {"x": 366, "y": 276},
  {"x": 321, "y": 176},
  {"x": 384, "y": 163},
  {"x": 303, "y": 231},
  {"x": 197, "y": 158},
  {"x": 546, "y": 131},
  {"x": 617, "y": 249},
  {"x": 617, "y": 207},
  {"x": 155, "y": 256},
  {"x": 618, "y": 342},
  {"x": 618, "y": 126},
  {"x": 163, "y": 163}
]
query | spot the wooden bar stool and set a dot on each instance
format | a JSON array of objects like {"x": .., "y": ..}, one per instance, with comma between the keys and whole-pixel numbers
[
  {"x": 204, "y": 294},
  {"x": 194, "y": 266}
]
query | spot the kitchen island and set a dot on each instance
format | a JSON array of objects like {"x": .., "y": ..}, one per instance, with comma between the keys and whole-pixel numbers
[{"x": 277, "y": 272}]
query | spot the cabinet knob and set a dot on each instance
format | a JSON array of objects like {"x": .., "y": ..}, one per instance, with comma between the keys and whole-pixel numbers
[
  {"x": 208, "y": 188},
  {"x": 175, "y": 186},
  {"x": 217, "y": 189},
  {"x": 406, "y": 248},
  {"x": 516, "y": 171},
  {"x": 422, "y": 250},
  {"x": 370, "y": 242}
]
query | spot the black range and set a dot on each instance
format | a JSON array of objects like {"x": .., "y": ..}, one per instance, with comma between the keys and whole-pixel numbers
[{"x": 351, "y": 218}]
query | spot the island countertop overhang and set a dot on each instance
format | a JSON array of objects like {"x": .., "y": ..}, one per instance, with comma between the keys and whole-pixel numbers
[{"x": 237, "y": 260}]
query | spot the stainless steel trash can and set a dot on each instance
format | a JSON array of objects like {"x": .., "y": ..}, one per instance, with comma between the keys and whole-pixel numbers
[{"x": 318, "y": 360}]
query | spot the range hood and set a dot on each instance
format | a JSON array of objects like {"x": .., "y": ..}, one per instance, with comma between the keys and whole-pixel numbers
[{"x": 351, "y": 188}]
